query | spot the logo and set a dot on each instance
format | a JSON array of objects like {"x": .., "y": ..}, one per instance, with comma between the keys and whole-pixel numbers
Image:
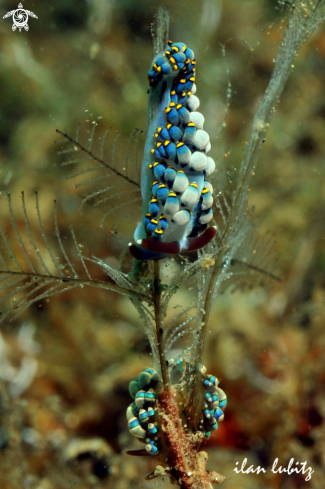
[{"x": 20, "y": 18}]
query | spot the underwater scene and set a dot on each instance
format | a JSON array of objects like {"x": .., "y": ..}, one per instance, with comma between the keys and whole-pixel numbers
[{"x": 162, "y": 258}]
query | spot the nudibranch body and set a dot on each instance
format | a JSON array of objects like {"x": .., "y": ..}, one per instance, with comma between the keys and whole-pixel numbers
[{"x": 177, "y": 198}]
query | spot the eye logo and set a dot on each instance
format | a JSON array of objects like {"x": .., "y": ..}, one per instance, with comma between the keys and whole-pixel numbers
[{"x": 20, "y": 18}]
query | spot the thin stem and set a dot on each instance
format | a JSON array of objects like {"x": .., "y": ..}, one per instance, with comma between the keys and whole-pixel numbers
[
  {"x": 187, "y": 465},
  {"x": 159, "y": 319}
]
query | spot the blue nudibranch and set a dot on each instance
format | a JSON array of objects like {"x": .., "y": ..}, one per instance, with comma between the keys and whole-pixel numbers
[
  {"x": 177, "y": 198},
  {"x": 143, "y": 414}
]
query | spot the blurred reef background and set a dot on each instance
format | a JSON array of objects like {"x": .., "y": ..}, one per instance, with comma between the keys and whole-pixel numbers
[{"x": 65, "y": 365}]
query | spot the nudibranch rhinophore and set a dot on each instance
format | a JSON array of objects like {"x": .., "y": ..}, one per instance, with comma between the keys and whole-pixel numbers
[{"x": 177, "y": 198}]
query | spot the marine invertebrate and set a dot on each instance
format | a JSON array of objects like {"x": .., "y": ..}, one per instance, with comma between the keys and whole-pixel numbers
[
  {"x": 143, "y": 415},
  {"x": 177, "y": 197}
]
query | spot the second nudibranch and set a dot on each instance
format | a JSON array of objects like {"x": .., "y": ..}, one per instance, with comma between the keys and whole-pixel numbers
[{"x": 176, "y": 195}]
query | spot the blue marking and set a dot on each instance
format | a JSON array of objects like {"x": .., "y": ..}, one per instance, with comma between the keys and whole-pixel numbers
[
  {"x": 172, "y": 115},
  {"x": 162, "y": 193},
  {"x": 171, "y": 150},
  {"x": 152, "y": 226},
  {"x": 175, "y": 133},
  {"x": 159, "y": 170},
  {"x": 223, "y": 403},
  {"x": 170, "y": 175}
]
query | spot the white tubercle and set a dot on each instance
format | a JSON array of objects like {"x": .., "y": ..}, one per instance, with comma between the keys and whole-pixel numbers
[
  {"x": 210, "y": 167},
  {"x": 181, "y": 217},
  {"x": 193, "y": 103},
  {"x": 198, "y": 119},
  {"x": 180, "y": 183},
  {"x": 209, "y": 186},
  {"x": 207, "y": 202},
  {"x": 207, "y": 149},
  {"x": 129, "y": 413},
  {"x": 205, "y": 218},
  {"x": 190, "y": 197},
  {"x": 198, "y": 161},
  {"x": 201, "y": 139}
]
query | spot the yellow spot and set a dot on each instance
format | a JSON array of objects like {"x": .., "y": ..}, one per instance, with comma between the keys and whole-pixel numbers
[
  {"x": 178, "y": 145},
  {"x": 175, "y": 48},
  {"x": 166, "y": 143},
  {"x": 194, "y": 184}
]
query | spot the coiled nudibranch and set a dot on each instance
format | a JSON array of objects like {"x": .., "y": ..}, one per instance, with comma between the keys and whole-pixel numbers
[
  {"x": 177, "y": 198},
  {"x": 143, "y": 414}
]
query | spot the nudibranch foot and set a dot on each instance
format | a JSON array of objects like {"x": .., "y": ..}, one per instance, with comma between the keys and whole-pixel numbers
[{"x": 202, "y": 240}]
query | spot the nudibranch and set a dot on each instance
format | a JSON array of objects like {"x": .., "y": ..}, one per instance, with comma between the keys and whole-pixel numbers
[
  {"x": 143, "y": 414},
  {"x": 176, "y": 195}
]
